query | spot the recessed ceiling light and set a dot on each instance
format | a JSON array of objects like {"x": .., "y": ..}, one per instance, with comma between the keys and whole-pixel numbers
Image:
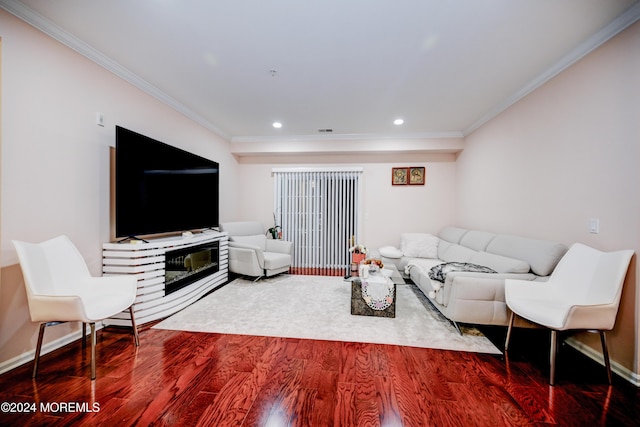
[
  {"x": 277, "y": 125},
  {"x": 398, "y": 122}
]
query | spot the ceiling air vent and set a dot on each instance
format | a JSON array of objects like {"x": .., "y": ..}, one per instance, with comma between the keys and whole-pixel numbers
[{"x": 325, "y": 130}]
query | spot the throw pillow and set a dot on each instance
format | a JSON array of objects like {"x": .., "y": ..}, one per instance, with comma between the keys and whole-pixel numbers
[
  {"x": 439, "y": 272},
  {"x": 419, "y": 245},
  {"x": 390, "y": 252}
]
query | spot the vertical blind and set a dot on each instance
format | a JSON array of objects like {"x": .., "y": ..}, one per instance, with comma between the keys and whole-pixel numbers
[{"x": 319, "y": 211}]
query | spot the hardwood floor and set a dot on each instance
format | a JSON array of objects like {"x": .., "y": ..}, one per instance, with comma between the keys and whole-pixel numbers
[{"x": 184, "y": 379}]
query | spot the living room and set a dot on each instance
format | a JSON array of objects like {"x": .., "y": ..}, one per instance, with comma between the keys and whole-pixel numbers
[{"x": 565, "y": 153}]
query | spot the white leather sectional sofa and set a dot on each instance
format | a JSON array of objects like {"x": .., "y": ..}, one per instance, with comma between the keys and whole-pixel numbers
[{"x": 470, "y": 296}]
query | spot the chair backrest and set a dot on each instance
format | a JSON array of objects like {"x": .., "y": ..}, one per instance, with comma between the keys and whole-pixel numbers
[
  {"x": 590, "y": 276},
  {"x": 52, "y": 267}
]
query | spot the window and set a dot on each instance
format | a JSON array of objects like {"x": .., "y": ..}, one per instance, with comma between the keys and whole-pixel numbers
[{"x": 318, "y": 209}]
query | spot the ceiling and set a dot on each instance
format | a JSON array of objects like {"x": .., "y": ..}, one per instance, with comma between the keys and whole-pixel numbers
[{"x": 333, "y": 69}]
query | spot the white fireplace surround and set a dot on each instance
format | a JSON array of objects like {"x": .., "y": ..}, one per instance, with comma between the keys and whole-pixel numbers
[{"x": 146, "y": 260}]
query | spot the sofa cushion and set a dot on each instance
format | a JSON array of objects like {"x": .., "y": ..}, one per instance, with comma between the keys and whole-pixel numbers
[
  {"x": 501, "y": 263},
  {"x": 275, "y": 260},
  {"x": 477, "y": 240},
  {"x": 452, "y": 234},
  {"x": 440, "y": 271},
  {"x": 419, "y": 245},
  {"x": 457, "y": 253},
  {"x": 443, "y": 246},
  {"x": 541, "y": 255},
  {"x": 259, "y": 240}
]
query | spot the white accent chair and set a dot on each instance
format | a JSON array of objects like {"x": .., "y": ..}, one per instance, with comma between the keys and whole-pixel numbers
[
  {"x": 583, "y": 293},
  {"x": 60, "y": 289},
  {"x": 252, "y": 254}
]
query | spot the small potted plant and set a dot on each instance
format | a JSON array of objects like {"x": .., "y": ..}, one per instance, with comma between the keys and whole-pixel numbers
[{"x": 275, "y": 231}]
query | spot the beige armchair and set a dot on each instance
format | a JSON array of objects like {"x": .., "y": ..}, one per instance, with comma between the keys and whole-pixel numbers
[
  {"x": 583, "y": 293},
  {"x": 252, "y": 254}
]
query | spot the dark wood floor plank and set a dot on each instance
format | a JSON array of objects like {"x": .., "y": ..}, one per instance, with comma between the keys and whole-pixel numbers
[
  {"x": 387, "y": 402},
  {"x": 279, "y": 378},
  {"x": 345, "y": 413},
  {"x": 304, "y": 409},
  {"x": 230, "y": 405},
  {"x": 186, "y": 378},
  {"x": 321, "y": 375},
  {"x": 365, "y": 372},
  {"x": 347, "y": 362},
  {"x": 172, "y": 389},
  {"x": 185, "y": 411},
  {"x": 413, "y": 399}
]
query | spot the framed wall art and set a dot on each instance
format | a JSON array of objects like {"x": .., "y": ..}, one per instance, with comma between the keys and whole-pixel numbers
[
  {"x": 416, "y": 176},
  {"x": 412, "y": 175},
  {"x": 399, "y": 176}
]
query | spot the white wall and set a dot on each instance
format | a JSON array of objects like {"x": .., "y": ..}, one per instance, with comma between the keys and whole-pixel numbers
[
  {"x": 568, "y": 152},
  {"x": 388, "y": 210},
  {"x": 55, "y": 159}
]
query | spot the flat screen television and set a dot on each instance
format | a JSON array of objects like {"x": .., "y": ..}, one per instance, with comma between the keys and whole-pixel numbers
[{"x": 162, "y": 189}]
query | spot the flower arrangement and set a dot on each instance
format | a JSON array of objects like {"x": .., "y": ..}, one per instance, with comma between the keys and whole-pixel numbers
[
  {"x": 275, "y": 230},
  {"x": 358, "y": 249},
  {"x": 358, "y": 253},
  {"x": 374, "y": 262}
]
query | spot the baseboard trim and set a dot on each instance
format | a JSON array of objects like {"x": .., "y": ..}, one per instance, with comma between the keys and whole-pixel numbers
[
  {"x": 28, "y": 356},
  {"x": 596, "y": 356}
]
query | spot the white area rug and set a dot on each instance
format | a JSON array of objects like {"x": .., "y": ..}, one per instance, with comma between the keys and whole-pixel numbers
[{"x": 319, "y": 307}]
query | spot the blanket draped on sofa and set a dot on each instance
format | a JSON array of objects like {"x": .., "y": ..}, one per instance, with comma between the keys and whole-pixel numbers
[{"x": 440, "y": 271}]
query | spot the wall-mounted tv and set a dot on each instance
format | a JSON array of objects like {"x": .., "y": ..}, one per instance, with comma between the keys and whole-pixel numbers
[{"x": 162, "y": 189}]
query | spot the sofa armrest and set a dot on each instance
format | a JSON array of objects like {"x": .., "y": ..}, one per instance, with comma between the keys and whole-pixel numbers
[
  {"x": 476, "y": 299},
  {"x": 482, "y": 286},
  {"x": 496, "y": 276},
  {"x": 280, "y": 246},
  {"x": 459, "y": 283},
  {"x": 244, "y": 253},
  {"x": 233, "y": 244}
]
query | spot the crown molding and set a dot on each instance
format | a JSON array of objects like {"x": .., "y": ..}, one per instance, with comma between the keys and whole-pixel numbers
[
  {"x": 347, "y": 137},
  {"x": 36, "y": 20},
  {"x": 612, "y": 29}
]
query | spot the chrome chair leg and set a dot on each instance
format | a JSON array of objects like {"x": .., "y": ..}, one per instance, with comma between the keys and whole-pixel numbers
[
  {"x": 455, "y": 325},
  {"x": 509, "y": 328},
  {"x": 135, "y": 327},
  {"x": 93, "y": 350},
  {"x": 552, "y": 357},
  {"x": 605, "y": 354},
  {"x": 38, "y": 349},
  {"x": 84, "y": 335}
]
